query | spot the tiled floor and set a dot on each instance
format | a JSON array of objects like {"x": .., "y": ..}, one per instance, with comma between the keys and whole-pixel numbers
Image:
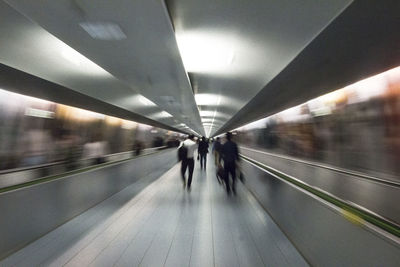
[{"x": 166, "y": 226}]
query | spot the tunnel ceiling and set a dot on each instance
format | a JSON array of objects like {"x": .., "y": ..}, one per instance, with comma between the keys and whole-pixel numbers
[{"x": 188, "y": 64}]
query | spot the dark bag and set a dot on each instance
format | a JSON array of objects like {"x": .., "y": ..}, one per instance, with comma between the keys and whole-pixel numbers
[
  {"x": 182, "y": 153},
  {"x": 220, "y": 174}
]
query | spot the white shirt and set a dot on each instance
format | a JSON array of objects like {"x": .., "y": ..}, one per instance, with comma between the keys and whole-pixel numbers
[{"x": 191, "y": 147}]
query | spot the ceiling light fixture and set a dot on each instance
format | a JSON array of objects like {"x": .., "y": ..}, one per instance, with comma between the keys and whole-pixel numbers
[
  {"x": 213, "y": 119},
  {"x": 205, "y": 52},
  {"x": 160, "y": 115},
  {"x": 212, "y": 123},
  {"x": 166, "y": 114},
  {"x": 103, "y": 30},
  {"x": 207, "y": 99},
  {"x": 145, "y": 101},
  {"x": 206, "y": 113}
]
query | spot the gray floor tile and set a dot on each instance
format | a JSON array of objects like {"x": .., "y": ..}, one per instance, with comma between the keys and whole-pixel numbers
[{"x": 163, "y": 225}]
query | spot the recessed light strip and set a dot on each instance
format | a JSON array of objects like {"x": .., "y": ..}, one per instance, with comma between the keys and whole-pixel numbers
[{"x": 215, "y": 112}]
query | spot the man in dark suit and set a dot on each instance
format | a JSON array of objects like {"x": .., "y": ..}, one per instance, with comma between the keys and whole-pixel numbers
[
  {"x": 203, "y": 150},
  {"x": 230, "y": 154}
]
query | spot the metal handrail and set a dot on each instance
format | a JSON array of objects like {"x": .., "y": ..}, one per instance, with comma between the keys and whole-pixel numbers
[
  {"x": 336, "y": 169},
  {"x": 75, "y": 171},
  {"x": 346, "y": 207},
  {"x": 51, "y": 164}
]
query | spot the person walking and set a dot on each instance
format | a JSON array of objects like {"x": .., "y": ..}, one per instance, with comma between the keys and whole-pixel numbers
[
  {"x": 217, "y": 151},
  {"x": 189, "y": 146},
  {"x": 203, "y": 150},
  {"x": 230, "y": 154}
]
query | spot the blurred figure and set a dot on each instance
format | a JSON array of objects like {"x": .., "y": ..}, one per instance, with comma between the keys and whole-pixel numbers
[
  {"x": 137, "y": 148},
  {"x": 74, "y": 152},
  {"x": 203, "y": 150},
  {"x": 188, "y": 160},
  {"x": 158, "y": 141},
  {"x": 177, "y": 143},
  {"x": 172, "y": 143},
  {"x": 230, "y": 154},
  {"x": 68, "y": 150},
  {"x": 95, "y": 150},
  {"x": 217, "y": 151},
  {"x": 391, "y": 117},
  {"x": 36, "y": 147}
]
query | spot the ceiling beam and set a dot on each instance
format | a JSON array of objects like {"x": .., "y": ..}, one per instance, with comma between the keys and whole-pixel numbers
[{"x": 23, "y": 83}]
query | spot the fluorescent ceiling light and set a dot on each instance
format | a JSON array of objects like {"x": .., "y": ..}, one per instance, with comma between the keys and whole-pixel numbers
[
  {"x": 181, "y": 125},
  {"x": 211, "y": 115},
  {"x": 166, "y": 114},
  {"x": 145, "y": 101},
  {"x": 205, "y": 51},
  {"x": 103, "y": 30},
  {"x": 207, "y": 99},
  {"x": 206, "y": 113},
  {"x": 160, "y": 115}
]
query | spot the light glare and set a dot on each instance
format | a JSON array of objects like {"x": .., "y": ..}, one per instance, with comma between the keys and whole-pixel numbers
[
  {"x": 145, "y": 101},
  {"x": 166, "y": 114},
  {"x": 71, "y": 55},
  {"x": 205, "y": 52},
  {"x": 160, "y": 115},
  {"x": 207, "y": 99},
  {"x": 206, "y": 113}
]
